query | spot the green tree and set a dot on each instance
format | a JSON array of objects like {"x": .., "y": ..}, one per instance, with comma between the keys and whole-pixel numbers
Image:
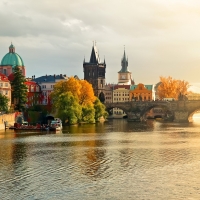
[
  {"x": 68, "y": 108},
  {"x": 19, "y": 90},
  {"x": 3, "y": 103},
  {"x": 88, "y": 113},
  {"x": 100, "y": 110}
]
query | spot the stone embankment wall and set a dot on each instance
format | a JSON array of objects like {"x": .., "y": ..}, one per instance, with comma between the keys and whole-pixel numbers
[{"x": 9, "y": 118}]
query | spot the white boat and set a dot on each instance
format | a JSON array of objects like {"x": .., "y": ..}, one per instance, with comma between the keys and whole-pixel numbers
[{"x": 56, "y": 125}]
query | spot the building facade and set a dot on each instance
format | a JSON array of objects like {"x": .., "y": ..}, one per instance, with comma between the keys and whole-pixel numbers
[
  {"x": 10, "y": 60},
  {"x": 142, "y": 92},
  {"x": 120, "y": 94},
  {"x": 5, "y": 87},
  {"x": 46, "y": 84},
  {"x": 94, "y": 73},
  {"x": 34, "y": 94}
]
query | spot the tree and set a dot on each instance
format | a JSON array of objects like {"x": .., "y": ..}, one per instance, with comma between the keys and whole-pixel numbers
[
  {"x": 88, "y": 113},
  {"x": 68, "y": 108},
  {"x": 171, "y": 88},
  {"x": 79, "y": 88},
  {"x": 86, "y": 96},
  {"x": 3, "y": 103},
  {"x": 74, "y": 100},
  {"x": 19, "y": 89},
  {"x": 99, "y": 110}
]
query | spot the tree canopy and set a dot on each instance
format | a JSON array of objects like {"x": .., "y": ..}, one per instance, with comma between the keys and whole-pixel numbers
[
  {"x": 74, "y": 101},
  {"x": 19, "y": 89},
  {"x": 79, "y": 88},
  {"x": 3, "y": 103},
  {"x": 172, "y": 88}
]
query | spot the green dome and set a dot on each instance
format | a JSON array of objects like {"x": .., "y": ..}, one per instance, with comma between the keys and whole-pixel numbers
[{"x": 12, "y": 58}]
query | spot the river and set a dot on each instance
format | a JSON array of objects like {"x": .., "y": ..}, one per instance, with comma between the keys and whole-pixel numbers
[{"x": 112, "y": 160}]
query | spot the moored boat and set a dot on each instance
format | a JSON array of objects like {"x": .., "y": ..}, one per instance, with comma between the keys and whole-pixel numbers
[{"x": 55, "y": 125}]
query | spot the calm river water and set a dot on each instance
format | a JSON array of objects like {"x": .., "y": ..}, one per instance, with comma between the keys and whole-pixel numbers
[{"x": 114, "y": 160}]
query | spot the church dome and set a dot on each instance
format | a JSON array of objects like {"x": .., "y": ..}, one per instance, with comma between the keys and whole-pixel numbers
[{"x": 12, "y": 58}]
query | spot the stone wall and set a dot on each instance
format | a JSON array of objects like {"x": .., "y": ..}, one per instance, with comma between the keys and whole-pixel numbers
[
  {"x": 180, "y": 116},
  {"x": 10, "y": 118}
]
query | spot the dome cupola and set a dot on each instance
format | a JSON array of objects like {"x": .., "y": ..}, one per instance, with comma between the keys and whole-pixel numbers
[{"x": 12, "y": 58}]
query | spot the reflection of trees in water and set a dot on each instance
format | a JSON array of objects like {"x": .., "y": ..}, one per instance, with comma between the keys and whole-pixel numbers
[
  {"x": 95, "y": 166},
  {"x": 6, "y": 149},
  {"x": 122, "y": 125},
  {"x": 125, "y": 157},
  {"x": 83, "y": 128},
  {"x": 89, "y": 154},
  {"x": 112, "y": 125}
]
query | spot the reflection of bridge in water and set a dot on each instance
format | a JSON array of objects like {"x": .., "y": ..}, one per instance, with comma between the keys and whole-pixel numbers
[{"x": 178, "y": 111}]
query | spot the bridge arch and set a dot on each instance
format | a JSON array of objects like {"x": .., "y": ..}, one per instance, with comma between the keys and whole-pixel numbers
[
  {"x": 191, "y": 113},
  {"x": 155, "y": 111},
  {"x": 120, "y": 107}
]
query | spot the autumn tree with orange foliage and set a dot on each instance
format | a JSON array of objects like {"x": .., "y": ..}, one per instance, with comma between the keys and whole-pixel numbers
[
  {"x": 171, "y": 88},
  {"x": 80, "y": 91},
  {"x": 79, "y": 88}
]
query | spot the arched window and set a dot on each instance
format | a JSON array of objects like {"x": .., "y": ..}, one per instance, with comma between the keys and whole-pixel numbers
[{"x": 5, "y": 72}]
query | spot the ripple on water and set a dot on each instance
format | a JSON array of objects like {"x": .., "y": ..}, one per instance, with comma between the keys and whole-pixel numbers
[{"x": 114, "y": 165}]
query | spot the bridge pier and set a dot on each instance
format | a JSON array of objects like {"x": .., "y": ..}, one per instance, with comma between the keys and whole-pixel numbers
[
  {"x": 133, "y": 116},
  {"x": 181, "y": 116}
]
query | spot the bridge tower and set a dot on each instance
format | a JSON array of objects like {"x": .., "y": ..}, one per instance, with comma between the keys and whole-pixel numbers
[
  {"x": 124, "y": 75},
  {"x": 94, "y": 73}
]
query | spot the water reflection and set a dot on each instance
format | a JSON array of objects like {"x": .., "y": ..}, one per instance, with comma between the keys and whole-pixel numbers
[{"x": 115, "y": 160}]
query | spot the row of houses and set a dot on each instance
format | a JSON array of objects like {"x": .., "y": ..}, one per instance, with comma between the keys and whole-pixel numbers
[{"x": 39, "y": 88}]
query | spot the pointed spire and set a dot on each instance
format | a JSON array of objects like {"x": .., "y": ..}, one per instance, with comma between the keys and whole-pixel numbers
[
  {"x": 84, "y": 60},
  {"x": 124, "y": 62},
  {"x": 94, "y": 58}
]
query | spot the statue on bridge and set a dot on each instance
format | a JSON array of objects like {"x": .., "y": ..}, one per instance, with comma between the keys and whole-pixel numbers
[{"x": 182, "y": 97}]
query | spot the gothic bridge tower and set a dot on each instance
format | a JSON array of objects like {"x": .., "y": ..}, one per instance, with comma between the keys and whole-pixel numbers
[
  {"x": 94, "y": 73},
  {"x": 124, "y": 75}
]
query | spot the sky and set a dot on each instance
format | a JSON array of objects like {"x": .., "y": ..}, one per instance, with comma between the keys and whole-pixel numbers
[{"x": 160, "y": 37}]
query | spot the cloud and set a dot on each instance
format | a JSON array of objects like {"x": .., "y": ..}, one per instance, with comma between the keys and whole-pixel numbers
[{"x": 161, "y": 38}]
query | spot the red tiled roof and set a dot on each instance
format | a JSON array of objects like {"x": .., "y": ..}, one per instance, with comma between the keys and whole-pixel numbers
[
  {"x": 122, "y": 86},
  {"x": 4, "y": 77},
  {"x": 30, "y": 83}
]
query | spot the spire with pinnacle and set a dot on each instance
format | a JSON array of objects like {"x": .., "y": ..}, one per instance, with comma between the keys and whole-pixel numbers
[
  {"x": 94, "y": 58},
  {"x": 124, "y": 63}
]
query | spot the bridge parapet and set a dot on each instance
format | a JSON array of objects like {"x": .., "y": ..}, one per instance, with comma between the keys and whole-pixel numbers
[{"x": 181, "y": 110}]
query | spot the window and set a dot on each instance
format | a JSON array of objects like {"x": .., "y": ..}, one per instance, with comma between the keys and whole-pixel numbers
[
  {"x": 37, "y": 88},
  {"x": 6, "y": 84},
  {"x": 32, "y": 88},
  {"x": 101, "y": 83}
]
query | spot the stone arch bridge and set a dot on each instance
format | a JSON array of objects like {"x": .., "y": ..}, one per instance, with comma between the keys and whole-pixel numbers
[{"x": 178, "y": 111}]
